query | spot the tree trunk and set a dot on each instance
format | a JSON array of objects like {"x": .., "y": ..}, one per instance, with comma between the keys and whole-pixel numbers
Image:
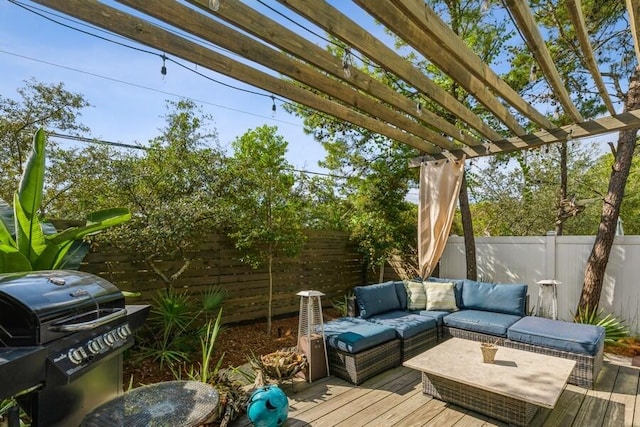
[
  {"x": 467, "y": 229},
  {"x": 597, "y": 262},
  {"x": 270, "y": 294},
  {"x": 563, "y": 188},
  {"x": 381, "y": 272}
]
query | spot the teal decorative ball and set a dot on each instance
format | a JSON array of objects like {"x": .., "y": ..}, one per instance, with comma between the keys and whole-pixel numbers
[{"x": 268, "y": 407}]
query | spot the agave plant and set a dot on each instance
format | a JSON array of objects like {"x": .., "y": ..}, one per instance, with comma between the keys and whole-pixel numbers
[{"x": 26, "y": 242}]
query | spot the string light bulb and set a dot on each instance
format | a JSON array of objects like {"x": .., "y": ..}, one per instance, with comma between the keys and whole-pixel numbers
[
  {"x": 533, "y": 73},
  {"x": 273, "y": 106},
  {"x": 419, "y": 108},
  {"x": 214, "y": 5},
  {"x": 570, "y": 135},
  {"x": 485, "y": 7},
  {"x": 346, "y": 63},
  {"x": 163, "y": 69}
]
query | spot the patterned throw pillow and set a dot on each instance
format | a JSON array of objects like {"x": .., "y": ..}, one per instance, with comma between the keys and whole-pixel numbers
[
  {"x": 416, "y": 296},
  {"x": 440, "y": 296}
]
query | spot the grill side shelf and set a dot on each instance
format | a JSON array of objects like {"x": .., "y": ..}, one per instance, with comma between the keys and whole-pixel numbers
[{"x": 21, "y": 368}]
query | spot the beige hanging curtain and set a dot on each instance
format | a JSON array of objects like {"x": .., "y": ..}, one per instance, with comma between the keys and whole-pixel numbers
[{"x": 439, "y": 188}]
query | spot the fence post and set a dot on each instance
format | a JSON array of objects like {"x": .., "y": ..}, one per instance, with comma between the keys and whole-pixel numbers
[{"x": 550, "y": 255}]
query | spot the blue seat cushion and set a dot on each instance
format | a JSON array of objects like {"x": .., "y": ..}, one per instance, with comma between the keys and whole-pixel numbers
[
  {"x": 485, "y": 322},
  {"x": 405, "y": 324},
  {"x": 507, "y": 299},
  {"x": 376, "y": 299},
  {"x": 557, "y": 334},
  {"x": 435, "y": 314},
  {"x": 457, "y": 289},
  {"x": 354, "y": 335}
]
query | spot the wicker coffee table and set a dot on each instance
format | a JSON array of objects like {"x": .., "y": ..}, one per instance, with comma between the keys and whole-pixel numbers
[{"x": 512, "y": 389}]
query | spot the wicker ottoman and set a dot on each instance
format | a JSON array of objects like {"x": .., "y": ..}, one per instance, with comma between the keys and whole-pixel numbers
[
  {"x": 359, "y": 367},
  {"x": 358, "y": 350}
]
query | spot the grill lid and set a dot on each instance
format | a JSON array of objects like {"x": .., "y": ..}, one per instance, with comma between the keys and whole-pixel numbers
[{"x": 36, "y": 306}]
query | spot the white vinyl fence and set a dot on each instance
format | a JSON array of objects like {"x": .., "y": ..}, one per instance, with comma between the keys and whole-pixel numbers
[{"x": 530, "y": 259}]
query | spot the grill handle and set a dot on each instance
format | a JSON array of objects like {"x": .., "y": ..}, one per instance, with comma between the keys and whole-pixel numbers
[{"x": 83, "y": 326}]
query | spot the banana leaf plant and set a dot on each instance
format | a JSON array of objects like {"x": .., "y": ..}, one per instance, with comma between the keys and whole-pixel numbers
[{"x": 26, "y": 242}]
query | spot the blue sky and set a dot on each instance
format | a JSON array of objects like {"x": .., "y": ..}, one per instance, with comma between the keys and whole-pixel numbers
[{"x": 126, "y": 89}]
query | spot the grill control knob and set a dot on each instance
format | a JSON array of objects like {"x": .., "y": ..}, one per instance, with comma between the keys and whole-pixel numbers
[
  {"x": 109, "y": 338},
  {"x": 94, "y": 346},
  {"x": 123, "y": 332},
  {"x": 75, "y": 356}
]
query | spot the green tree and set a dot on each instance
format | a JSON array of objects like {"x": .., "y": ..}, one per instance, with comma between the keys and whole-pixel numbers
[
  {"x": 371, "y": 180},
  {"x": 594, "y": 188},
  {"x": 322, "y": 206},
  {"x": 38, "y": 106},
  {"x": 175, "y": 189},
  {"x": 379, "y": 221},
  {"x": 266, "y": 219},
  {"x": 609, "y": 32},
  {"x": 520, "y": 198}
]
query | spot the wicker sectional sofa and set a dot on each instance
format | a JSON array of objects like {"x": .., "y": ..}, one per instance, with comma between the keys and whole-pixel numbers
[{"x": 386, "y": 326}]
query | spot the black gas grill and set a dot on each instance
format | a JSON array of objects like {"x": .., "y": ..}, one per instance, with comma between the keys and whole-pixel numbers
[{"x": 62, "y": 334}]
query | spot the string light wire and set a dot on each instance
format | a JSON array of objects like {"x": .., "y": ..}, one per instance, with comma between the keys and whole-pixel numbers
[{"x": 42, "y": 14}]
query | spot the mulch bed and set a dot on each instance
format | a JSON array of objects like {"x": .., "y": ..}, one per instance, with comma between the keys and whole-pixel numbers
[{"x": 237, "y": 342}]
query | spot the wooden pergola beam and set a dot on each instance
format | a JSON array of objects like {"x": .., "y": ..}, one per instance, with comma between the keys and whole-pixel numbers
[
  {"x": 201, "y": 26},
  {"x": 246, "y": 18},
  {"x": 577, "y": 17},
  {"x": 633, "y": 9},
  {"x": 524, "y": 21},
  {"x": 619, "y": 122},
  {"x": 345, "y": 29},
  {"x": 151, "y": 35},
  {"x": 455, "y": 49},
  {"x": 396, "y": 20}
]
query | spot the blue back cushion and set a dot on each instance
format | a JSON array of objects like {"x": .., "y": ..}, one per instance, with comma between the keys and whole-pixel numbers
[
  {"x": 507, "y": 299},
  {"x": 376, "y": 299},
  {"x": 457, "y": 290},
  {"x": 401, "y": 292}
]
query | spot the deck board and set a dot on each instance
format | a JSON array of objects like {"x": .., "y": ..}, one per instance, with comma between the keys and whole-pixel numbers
[
  {"x": 567, "y": 407},
  {"x": 395, "y": 398},
  {"x": 594, "y": 406},
  {"x": 621, "y": 405}
]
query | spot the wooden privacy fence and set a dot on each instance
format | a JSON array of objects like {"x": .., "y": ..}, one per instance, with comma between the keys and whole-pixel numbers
[{"x": 329, "y": 262}]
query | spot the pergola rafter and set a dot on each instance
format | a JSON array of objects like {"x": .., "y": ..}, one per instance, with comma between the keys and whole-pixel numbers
[
  {"x": 287, "y": 64},
  {"x": 245, "y": 18},
  {"x": 633, "y": 10},
  {"x": 577, "y": 17},
  {"x": 529, "y": 29}
]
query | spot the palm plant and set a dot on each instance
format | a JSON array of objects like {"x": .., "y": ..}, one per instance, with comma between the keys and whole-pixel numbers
[{"x": 175, "y": 322}]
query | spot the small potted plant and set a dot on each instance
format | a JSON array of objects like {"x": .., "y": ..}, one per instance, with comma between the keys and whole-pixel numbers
[{"x": 489, "y": 350}]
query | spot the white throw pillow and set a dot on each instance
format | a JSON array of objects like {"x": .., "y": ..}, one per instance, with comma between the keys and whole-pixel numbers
[
  {"x": 416, "y": 295},
  {"x": 440, "y": 296}
]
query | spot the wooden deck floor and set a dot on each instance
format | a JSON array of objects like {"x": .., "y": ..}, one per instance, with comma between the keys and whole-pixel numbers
[{"x": 394, "y": 398}]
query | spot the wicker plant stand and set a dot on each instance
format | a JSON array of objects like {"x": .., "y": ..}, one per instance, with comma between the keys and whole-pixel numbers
[{"x": 359, "y": 367}]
